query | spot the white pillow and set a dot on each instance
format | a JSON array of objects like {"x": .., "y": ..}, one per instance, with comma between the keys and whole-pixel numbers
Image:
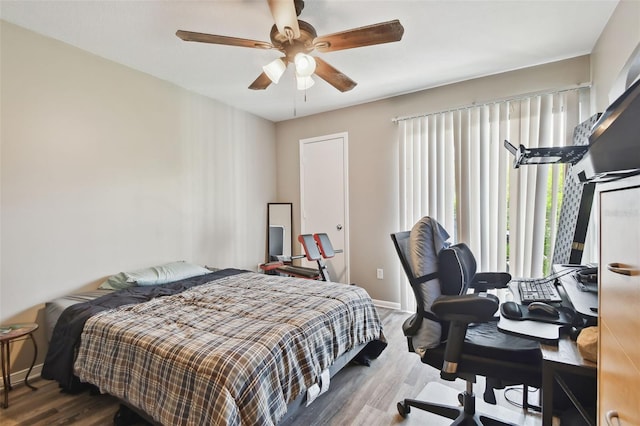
[
  {"x": 162, "y": 274},
  {"x": 116, "y": 282}
]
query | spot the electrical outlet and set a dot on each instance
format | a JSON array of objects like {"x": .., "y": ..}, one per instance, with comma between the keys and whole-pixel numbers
[{"x": 380, "y": 273}]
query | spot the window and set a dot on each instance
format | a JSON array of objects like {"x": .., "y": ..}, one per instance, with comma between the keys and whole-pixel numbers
[{"x": 453, "y": 167}]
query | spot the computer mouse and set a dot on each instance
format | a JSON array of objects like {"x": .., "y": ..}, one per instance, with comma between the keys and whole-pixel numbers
[
  {"x": 511, "y": 310},
  {"x": 544, "y": 309}
]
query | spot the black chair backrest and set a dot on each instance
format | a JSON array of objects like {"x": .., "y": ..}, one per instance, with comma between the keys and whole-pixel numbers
[
  {"x": 401, "y": 243},
  {"x": 456, "y": 267}
]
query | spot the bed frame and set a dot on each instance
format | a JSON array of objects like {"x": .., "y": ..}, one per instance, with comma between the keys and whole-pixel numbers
[{"x": 128, "y": 414}]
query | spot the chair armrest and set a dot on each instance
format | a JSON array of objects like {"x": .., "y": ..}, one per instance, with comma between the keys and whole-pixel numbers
[
  {"x": 466, "y": 308},
  {"x": 486, "y": 280},
  {"x": 460, "y": 311}
]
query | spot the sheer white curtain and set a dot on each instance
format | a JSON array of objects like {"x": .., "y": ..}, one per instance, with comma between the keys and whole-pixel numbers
[{"x": 454, "y": 168}]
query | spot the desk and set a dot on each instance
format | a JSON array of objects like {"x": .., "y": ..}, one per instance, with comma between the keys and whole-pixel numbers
[
  {"x": 584, "y": 302},
  {"x": 8, "y": 334},
  {"x": 540, "y": 331},
  {"x": 563, "y": 361},
  {"x": 558, "y": 362}
]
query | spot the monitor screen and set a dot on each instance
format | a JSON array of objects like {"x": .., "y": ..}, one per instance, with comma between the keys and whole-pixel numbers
[{"x": 276, "y": 241}]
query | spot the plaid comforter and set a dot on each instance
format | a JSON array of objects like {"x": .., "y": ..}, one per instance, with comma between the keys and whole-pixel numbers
[{"x": 233, "y": 351}]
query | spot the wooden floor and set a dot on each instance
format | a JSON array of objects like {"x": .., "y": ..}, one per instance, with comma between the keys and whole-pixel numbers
[{"x": 358, "y": 394}]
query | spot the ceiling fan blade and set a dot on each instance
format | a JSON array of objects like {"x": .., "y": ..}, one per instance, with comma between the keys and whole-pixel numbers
[
  {"x": 261, "y": 83},
  {"x": 333, "y": 76},
  {"x": 384, "y": 32},
  {"x": 218, "y": 39},
  {"x": 285, "y": 17}
]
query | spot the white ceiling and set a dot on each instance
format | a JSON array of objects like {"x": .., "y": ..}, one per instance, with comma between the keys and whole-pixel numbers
[{"x": 444, "y": 41}]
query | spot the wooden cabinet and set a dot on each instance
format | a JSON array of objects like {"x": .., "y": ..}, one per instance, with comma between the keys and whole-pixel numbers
[{"x": 619, "y": 303}]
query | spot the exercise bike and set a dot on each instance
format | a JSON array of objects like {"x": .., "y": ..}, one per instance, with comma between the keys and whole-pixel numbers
[{"x": 317, "y": 247}]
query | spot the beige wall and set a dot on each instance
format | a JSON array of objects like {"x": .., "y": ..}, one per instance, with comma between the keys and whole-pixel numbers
[
  {"x": 105, "y": 169},
  {"x": 373, "y": 162},
  {"x": 619, "y": 38}
]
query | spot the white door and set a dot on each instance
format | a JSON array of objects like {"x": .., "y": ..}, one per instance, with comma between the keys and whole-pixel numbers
[{"x": 324, "y": 197}]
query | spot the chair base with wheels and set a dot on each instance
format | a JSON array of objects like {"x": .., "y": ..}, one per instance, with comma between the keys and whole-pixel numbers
[{"x": 465, "y": 415}]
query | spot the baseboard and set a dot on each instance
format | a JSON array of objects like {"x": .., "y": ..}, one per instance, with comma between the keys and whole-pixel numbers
[
  {"x": 385, "y": 304},
  {"x": 18, "y": 376}
]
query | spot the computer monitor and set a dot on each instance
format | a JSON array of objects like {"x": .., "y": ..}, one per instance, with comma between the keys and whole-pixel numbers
[
  {"x": 276, "y": 241},
  {"x": 577, "y": 200}
]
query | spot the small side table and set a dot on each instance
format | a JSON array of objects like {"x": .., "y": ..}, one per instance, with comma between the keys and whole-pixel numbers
[{"x": 8, "y": 334}]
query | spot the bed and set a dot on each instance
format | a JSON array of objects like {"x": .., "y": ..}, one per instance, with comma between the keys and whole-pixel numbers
[
  {"x": 54, "y": 308},
  {"x": 229, "y": 347}
]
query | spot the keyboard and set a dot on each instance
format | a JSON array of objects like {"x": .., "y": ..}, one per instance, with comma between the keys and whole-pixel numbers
[{"x": 538, "y": 291}]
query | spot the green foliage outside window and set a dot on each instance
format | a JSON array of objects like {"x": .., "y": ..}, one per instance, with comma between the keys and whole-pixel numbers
[{"x": 548, "y": 249}]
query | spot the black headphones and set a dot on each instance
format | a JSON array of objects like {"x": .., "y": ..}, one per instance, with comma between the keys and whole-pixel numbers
[{"x": 587, "y": 276}]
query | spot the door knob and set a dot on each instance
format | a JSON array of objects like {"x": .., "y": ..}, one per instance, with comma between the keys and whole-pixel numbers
[{"x": 339, "y": 227}]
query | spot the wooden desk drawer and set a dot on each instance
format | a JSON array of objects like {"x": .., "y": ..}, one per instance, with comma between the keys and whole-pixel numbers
[
  {"x": 619, "y": 301},
  {"x": 618, "y": 382},
  {"x": 619, "y": 306},
  {"x": 620, "y": 245}
]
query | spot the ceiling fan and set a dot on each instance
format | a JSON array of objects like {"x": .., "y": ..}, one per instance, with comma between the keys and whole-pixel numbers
[{"x": 296, "y": 39}]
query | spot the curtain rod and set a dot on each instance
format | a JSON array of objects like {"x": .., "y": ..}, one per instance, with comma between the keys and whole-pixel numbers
[{"x": 396, "y": 120}]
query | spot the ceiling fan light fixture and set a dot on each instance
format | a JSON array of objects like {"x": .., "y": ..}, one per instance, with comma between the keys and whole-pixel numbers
[
  {"x": 305, "y": 64},
  {"x": 275, "y": 69},
  {"x": 304, "y": 82},
  {"x": 296, "y": 39}
]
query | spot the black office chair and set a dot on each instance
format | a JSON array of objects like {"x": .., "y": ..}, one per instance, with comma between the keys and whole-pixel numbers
[{"x": 455, "y": 331}]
